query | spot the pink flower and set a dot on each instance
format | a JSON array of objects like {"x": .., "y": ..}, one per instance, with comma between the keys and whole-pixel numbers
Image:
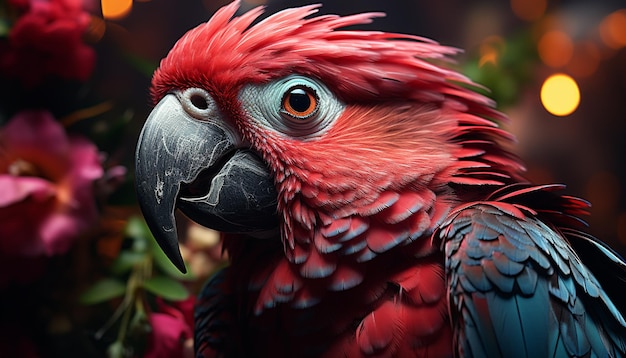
[
  {"x": 46, "y": 188},
  {"x": 183, "y": 310},
  {"x": 171, "y": 336},
  {"x": 46, "y": 40}
]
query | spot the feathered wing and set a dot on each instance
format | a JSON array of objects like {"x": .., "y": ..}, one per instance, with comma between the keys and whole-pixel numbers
[{"x": 518, "y": 289}]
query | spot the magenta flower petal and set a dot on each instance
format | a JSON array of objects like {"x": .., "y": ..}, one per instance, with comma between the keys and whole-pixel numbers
[
  {"x": 88, "y": 163},
  {"x": 168, "y": 337},
  {"x": 47, "y": 182},
  {"x": 37, "y": 139},
  {"x": 57, "y": 233},
  {"x": 15, "y": 189}
]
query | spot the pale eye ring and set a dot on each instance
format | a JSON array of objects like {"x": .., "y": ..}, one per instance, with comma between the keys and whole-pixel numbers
[{"x": 300, "y": 102}]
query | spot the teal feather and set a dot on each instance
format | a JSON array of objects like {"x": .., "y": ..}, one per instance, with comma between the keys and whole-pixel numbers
[{"x": 521, "y": 291}]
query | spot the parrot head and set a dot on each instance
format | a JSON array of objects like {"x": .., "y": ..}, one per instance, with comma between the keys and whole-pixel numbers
[{"x": 291, "y": 127}]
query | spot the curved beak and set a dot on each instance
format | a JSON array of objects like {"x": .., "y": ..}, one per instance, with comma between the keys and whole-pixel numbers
[{"x": 196, "y": 166}]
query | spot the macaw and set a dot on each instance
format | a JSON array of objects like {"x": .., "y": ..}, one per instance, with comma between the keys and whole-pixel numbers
[{"x": 367, "y": 201}]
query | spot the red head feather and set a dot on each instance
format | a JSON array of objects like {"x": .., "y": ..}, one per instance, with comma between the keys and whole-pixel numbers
[{"x": 227, "y": 52}]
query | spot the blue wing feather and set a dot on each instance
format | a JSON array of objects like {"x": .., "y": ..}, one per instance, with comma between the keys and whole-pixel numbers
[{"x": 518, "y": 289}]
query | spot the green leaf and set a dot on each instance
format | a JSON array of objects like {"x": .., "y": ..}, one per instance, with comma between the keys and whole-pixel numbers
[
  {"x": 138, "y": 231},
  {"x": 167, "y": 288},
  {"x": 137, "y": 228},
  {"x": 116, "y": 350},
  {"x": 143, "y": 65},
  {"x": 125, "y": 261},
  {"x": 103, "y": 290},
  {"x": 4, "y": 28}
]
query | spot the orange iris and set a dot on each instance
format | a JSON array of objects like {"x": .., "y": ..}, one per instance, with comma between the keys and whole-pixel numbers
[{"x": 300, "y": 102}]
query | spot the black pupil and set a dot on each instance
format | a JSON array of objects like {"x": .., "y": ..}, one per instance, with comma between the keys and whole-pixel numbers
[
  {"x": 299, "y": 100},
  {"x": 199, "y": 102}
]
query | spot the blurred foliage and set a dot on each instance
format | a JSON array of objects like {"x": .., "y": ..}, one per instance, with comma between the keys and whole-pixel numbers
[
  {"x": 504, "y": 67},
  {"x": 139, "y": 274}
]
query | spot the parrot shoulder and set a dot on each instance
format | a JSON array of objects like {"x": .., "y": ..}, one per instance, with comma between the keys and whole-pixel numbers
[{"x": 516, "y": 285}]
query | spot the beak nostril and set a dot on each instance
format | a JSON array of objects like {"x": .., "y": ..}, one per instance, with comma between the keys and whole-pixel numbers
[{"x": 198, "y": 101}]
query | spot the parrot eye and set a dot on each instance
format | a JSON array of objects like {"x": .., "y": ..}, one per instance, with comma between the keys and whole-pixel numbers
[
  {"x": 295, "y": 106},
  {"x": 300, "y": 102}
]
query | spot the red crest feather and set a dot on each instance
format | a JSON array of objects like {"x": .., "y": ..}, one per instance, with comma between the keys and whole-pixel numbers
[{"x": 228, "y": 51}]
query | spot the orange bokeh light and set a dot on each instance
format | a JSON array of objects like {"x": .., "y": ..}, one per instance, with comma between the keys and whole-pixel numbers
[
  {"x": 115, "y": 9},
  {"x": 555, "y": 48},
  {"x": 490, "y": 50},
  {"x": 529, "y": 10},
  {"x": 586, "y": 59},
  {"x": 96, "y": 29},
  {"x": 613, "y": 29}
]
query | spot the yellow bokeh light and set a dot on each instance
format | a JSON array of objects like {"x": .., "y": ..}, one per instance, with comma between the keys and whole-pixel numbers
[
  {"x": 115, "y": 9},
  {"x": 560, "y": 94}
]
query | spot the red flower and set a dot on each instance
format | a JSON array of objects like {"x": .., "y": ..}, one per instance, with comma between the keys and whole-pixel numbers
[
  {"x": 172, "y": 333},
  {"x": 46, "y": 188},
  {"x": 47, "y": 41},
  {"x": 182, "y": 310}
]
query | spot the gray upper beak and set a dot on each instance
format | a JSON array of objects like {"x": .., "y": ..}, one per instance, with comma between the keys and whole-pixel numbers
[{"x": 194, "y": 164}]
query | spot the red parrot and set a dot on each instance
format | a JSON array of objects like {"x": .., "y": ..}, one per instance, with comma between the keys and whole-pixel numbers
[{"x": 368, "y": 204}]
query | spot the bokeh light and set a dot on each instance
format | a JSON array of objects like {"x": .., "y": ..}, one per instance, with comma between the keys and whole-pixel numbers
[
  {"x": 585, "y": 60},
  {"x": 560, "y": 95},
  {"x": 490, "y": 50},
  {"x": 555, "y": 48},
  {"x": 96, "y": 29},
  {"x": 613, "y": 29},
  {"x": 116, "y": 9},
  {"x": 529, "y": 10}
]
